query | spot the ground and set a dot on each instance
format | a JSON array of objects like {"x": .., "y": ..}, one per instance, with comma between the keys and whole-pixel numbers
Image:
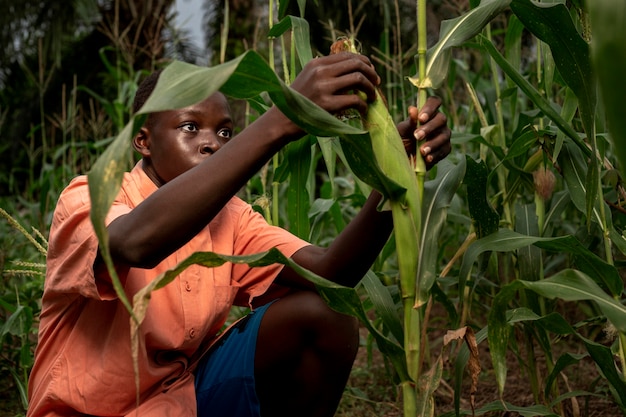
[{"x": 370, "y": 391}]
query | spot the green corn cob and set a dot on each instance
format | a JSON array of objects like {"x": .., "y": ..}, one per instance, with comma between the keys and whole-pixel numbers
[{"x": 406, "y": 211}]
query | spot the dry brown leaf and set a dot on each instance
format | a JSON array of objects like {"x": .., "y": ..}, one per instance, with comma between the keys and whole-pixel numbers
[{"x": 473, "y": 365}]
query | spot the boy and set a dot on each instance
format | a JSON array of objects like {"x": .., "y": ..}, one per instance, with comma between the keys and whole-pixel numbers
[{"x": 291, "y": 356}]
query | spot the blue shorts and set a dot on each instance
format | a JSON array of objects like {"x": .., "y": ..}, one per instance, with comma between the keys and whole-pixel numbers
[{"x": 224, "y": 379}]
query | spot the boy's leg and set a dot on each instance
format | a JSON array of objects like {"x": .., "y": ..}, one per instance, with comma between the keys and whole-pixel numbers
[
  {"x": 304, "y": 355},
  {"x": 224, "y": 378}
]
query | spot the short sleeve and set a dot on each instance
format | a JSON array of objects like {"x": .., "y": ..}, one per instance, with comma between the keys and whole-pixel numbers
[
  {"x": 255, "y": 235},
  {"x": 73, "y": 245}
]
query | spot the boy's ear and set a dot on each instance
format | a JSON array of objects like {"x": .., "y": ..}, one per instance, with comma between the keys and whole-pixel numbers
[{"x": 141, "y": 142}]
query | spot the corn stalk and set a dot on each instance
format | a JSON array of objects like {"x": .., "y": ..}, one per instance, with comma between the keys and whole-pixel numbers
[{"x": 406, "y": 212}]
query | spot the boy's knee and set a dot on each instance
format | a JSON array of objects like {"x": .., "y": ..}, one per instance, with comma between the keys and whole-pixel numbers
[
  {"x": 318, "y": 310},
  {"x": 335, "y": 331}
]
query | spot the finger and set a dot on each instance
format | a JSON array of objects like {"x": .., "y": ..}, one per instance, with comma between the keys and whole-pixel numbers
[
  {"x": 437, "y": 147},
  {"x": 429, "y": 109},
  {"x": 436, "y": 123},
  {"x": 346, "y": 63},
  {"x": 434, "y": 157},
  {"x": 340, "y": 102}
]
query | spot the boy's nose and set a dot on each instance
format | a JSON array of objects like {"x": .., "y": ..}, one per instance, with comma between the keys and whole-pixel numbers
[{"x": 211, "y": 145}]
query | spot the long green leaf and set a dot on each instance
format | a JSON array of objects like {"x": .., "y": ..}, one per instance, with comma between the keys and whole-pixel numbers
[
  {"x": 498, "y": 331},
  {"x": 505, "y": 240},
  {"x": 608, "y": 24},
  {"x": 300, "y": 28},
  {"x": 453, "y": 33},
  {"x": 438, "y": 194},
  {"x": 604, "y": 358},
  {"x": 298, "y": 200},
  {"x": 342, "y": 299},
  {"x": 384, "y": 305},
  {"x": 573, "y": 285},
  {"x": 532, "y": 93},
  {"x": 183, "y": 84},
  {"x": 552, "y": 23}
]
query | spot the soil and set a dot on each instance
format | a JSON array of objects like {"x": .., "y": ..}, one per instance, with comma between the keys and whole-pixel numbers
[{"x": 370, "y": 391}]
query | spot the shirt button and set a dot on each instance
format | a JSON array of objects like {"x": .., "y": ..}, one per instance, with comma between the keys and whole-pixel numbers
[
  {"x": 192, "y": 333},
  {"x": 187, "y": 287}
]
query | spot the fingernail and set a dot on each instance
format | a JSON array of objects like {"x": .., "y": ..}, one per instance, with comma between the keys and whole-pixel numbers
[
  {"x": 423, "y": 117},
  {"x": 426, "y": 150},
  {"x": 419, "y": 134}
]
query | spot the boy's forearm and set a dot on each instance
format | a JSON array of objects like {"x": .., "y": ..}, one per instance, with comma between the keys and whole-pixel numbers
[
  {"x": 178, "y": 210},
  {"x": 355, "y": 249}
]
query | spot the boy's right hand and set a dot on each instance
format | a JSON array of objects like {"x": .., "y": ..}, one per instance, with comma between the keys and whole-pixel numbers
[{"x": 330, "y": 81}]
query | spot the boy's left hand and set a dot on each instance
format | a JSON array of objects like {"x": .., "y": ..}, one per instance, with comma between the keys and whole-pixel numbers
[{"x": 432, "y": 132}]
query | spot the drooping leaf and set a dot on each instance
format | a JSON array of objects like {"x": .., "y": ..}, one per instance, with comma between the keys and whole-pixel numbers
[
  {"x": 532, "y": 93},
  {"x": 384, "y": 305},
  {"x": 343, "y": 299},
  {"x": 505, "y": 406},
  {"x": 573, "y": 285},
  {"x": 505, "y": 240},
  {"x": 182, "y": 84},
  {"x": 603, "y": 357},
  {"x": 552, "y": 23},
  {"x": 563, "y": 362},
  {"x": 575, "y": 172}
]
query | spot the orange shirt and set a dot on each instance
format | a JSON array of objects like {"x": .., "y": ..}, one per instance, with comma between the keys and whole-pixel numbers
[{"x": 83, "y": 362}]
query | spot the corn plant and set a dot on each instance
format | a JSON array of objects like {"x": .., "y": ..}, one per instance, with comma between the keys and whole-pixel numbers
[
  {"x": 540, "y": 141},
  {"x": 542, "y": 175},
  {"x": 21, "y": 302}
]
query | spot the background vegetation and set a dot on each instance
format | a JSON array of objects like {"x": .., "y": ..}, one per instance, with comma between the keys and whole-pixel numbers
[{"x": 536, "y": 224}]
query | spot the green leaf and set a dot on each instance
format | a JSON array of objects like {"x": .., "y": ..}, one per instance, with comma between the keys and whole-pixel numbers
[
  {"x": 530, "y": 411},
  {"x": 528, "y": 257},
  {"x": 532, "y": 93},
  {"x": 343, "y": 299},
  {"x": 455, "y": 32},
  {"x": 301, "y": 37},
  {"x": 182, "y": 84},
  {"x": 608, "y": 24},
  {"x": 298, "y": 201},
  {"x": 18, "y": 323},
  {"x": 552, "y": 23},
  {"x": 438, "y": 194},
  {"x": 484, "y": 218},
  {"x": 573, "y": 285},
  {"x": 427, "y": 385},
  {"x": 603, "y": 357},
  {"x": 505, "y": 240},
  {"x": 575, "y": 172},
  {"x": 498, "y": 331},
  {"x": 384, "y": 305},
  {"x": 563, "y": 362},
  {"x": 483, "y": 215}
]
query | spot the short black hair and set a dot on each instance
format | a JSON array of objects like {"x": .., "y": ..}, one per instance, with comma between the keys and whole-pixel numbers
[{"x": 145, "y": 89}]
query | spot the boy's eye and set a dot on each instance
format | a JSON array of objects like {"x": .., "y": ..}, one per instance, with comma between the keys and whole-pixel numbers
[
  {"x": 189, "y": 127},
  {"x": 225, "y": 133}
]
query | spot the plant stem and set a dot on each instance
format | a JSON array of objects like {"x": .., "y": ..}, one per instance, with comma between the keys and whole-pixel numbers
[{"x": 274, "y": 220}]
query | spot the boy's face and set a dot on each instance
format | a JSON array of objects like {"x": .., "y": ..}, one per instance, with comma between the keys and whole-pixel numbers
[{"x": 175, "y": 141}]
